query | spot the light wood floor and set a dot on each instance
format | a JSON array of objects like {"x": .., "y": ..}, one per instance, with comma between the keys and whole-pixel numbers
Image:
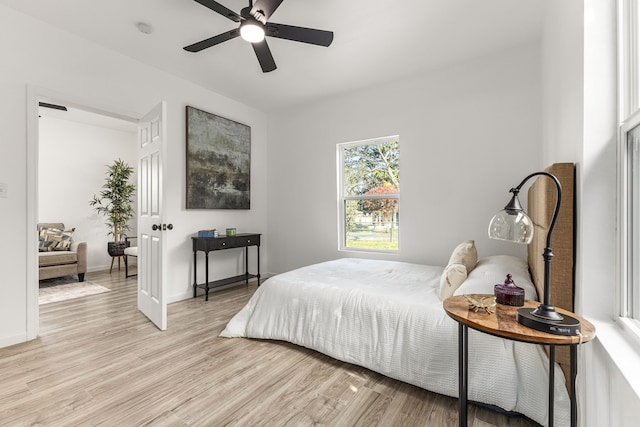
[{"x": 98, "y": 361}]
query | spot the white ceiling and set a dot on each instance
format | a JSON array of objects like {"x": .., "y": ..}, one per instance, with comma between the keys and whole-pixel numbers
[{"x": 375, "y": 41}]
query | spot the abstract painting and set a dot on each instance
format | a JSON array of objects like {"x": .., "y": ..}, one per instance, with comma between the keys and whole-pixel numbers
[{"x": 218, "y": 162}]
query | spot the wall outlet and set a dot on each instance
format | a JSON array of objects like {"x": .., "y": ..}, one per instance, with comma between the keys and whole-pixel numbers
[{"x": 4, "y": 189}]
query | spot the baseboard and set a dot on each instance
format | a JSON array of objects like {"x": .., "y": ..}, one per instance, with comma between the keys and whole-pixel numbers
[
  {"x": 16, "y": 339},
  {"x": 97, "y": 268}
]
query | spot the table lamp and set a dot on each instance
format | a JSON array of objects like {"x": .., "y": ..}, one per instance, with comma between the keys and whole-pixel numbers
[{"x": 514, "y": 225}]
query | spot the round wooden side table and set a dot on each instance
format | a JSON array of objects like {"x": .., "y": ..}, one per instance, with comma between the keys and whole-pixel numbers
[{"x": 502, "y": 323}]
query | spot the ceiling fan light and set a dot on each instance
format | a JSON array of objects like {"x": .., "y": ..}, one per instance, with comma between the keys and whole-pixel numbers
[{"x": 252, "y": 31}]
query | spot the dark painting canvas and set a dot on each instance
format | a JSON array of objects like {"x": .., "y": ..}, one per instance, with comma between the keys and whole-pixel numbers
[{"x": 218, "y": 162}]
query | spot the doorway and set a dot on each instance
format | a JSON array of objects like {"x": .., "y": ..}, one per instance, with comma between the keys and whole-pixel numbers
[
  {"x": 64, "y": 160},
  {"x": 75, "y": 147}
]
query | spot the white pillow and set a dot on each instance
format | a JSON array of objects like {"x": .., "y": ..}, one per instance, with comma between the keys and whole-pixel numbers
[
  {"x": 493, "y": 270},
  {"x": 466, "y": 254},
  {"x": 452, "y": 277}
]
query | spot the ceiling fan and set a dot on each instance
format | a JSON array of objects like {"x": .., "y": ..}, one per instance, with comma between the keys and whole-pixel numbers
[{"x": 254, "y": 26}]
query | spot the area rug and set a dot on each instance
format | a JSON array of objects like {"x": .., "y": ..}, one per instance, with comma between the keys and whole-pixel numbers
[{"x": 62, "y": 289}]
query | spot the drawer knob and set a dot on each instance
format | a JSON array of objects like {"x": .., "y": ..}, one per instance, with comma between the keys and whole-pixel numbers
[{"x": 224, "y": 244}]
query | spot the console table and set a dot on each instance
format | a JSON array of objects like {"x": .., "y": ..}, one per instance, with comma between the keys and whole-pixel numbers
[
  {"x": 208, "y": 244},
  {"x": 503, "y": 324}
]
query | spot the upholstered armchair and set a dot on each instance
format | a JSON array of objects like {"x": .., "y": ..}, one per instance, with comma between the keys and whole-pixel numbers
[{"x": 58, "y": 254}]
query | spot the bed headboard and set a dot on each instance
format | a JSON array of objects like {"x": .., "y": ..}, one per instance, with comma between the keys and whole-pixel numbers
[{"x": 541, "y": 203}]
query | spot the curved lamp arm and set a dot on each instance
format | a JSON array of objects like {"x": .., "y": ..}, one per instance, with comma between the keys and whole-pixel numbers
[{"x": 516, "y": 190}]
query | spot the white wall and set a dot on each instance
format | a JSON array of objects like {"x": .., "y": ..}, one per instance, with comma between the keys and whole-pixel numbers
[
  {"x": 562, "y": 82},
  {"x": 38, "y": 57},
  {"x": 468, "y": 133},
  {"x": 579, "y": 51},
  {"x": 73, "y": 159}
]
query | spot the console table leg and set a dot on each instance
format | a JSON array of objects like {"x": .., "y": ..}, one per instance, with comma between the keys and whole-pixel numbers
[
  {"x": 206, "y": 275},
  {"x": 195, "y": 272},
  {"x": 463, "y": 359},
  {"x": 246, "y": 265},
  {"x": 258, "y": 259}
]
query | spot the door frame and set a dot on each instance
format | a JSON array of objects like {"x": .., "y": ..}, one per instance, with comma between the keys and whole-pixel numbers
[{"x": 35, "y": 95}]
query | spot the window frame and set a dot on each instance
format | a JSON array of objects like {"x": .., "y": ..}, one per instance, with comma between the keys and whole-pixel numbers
[
  {"x": 342, "y": 197},
  {"x": 628, "y": 42},
  {"x": 629, "y": 119},
  {"x": 629, "y": 225}
]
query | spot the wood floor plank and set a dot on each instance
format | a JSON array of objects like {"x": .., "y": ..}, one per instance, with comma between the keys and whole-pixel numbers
[
  {"x": 410, "y": 407},
  {"x": 366, "y": 408},
  {"x": 98, "y": 361}
]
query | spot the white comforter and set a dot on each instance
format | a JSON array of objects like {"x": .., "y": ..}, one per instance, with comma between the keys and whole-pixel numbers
[{"x": 386, "y": 316}]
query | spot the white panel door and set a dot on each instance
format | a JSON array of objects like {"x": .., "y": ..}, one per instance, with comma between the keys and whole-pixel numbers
[{"x": 151, "y": 248}]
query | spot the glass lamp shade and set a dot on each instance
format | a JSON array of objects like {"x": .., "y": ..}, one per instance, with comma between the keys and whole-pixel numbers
[
  {"x": 251, "y": 31},
  {"x": 512, "y": 226}
]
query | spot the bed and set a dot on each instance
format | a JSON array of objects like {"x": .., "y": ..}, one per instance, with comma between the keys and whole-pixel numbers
[{"x": 387, "y": 316}]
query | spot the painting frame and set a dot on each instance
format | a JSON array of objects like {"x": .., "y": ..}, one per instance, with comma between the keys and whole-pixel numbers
[{"x": 218, "y": 162}]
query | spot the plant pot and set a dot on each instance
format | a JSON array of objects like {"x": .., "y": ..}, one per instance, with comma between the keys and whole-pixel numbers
[{"x": 117, "y": 248}]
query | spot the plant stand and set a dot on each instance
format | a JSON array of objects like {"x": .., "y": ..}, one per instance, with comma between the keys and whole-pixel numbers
[
  {"x": 116, "y": 250},
  {"x": 113, "y": 257}
]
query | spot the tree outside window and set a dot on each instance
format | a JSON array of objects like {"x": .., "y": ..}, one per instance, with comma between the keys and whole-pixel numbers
[{"x": 369, "y": 187}]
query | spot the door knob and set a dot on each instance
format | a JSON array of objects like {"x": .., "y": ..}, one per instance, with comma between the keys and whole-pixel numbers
[{"x": 162, "y": 227}]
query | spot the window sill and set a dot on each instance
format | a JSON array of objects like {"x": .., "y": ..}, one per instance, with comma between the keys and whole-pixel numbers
[
  {"x": 622, "y": 348},
  {"x": 369, "y": 251}
]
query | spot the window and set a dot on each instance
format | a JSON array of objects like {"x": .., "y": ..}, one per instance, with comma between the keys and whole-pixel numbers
[
  {"x": 629, "y": 163},
  {"x": 630, "y": 182},
  {"x": 369, "y": 194}
]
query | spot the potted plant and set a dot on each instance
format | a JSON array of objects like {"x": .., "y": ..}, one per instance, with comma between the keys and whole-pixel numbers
[{"x": 115, "y": 202}]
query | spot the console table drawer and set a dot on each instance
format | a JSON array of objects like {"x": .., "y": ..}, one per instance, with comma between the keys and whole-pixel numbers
[
  {"x": 237, "y": 242},
  {"x": 207, "y": 244}
]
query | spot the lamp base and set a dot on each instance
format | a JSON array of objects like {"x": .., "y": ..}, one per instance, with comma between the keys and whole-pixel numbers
[{"x": 566, "y": 326}]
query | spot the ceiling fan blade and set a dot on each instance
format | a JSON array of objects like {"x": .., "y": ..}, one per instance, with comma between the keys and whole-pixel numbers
[
  {"x": 217, "y": 7},
  {"x": 264, "y": 8},
  {"x": 300, "y": 34},
  {"x": 264, "y": 56},
  {"x": 212, "y": 41}
]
